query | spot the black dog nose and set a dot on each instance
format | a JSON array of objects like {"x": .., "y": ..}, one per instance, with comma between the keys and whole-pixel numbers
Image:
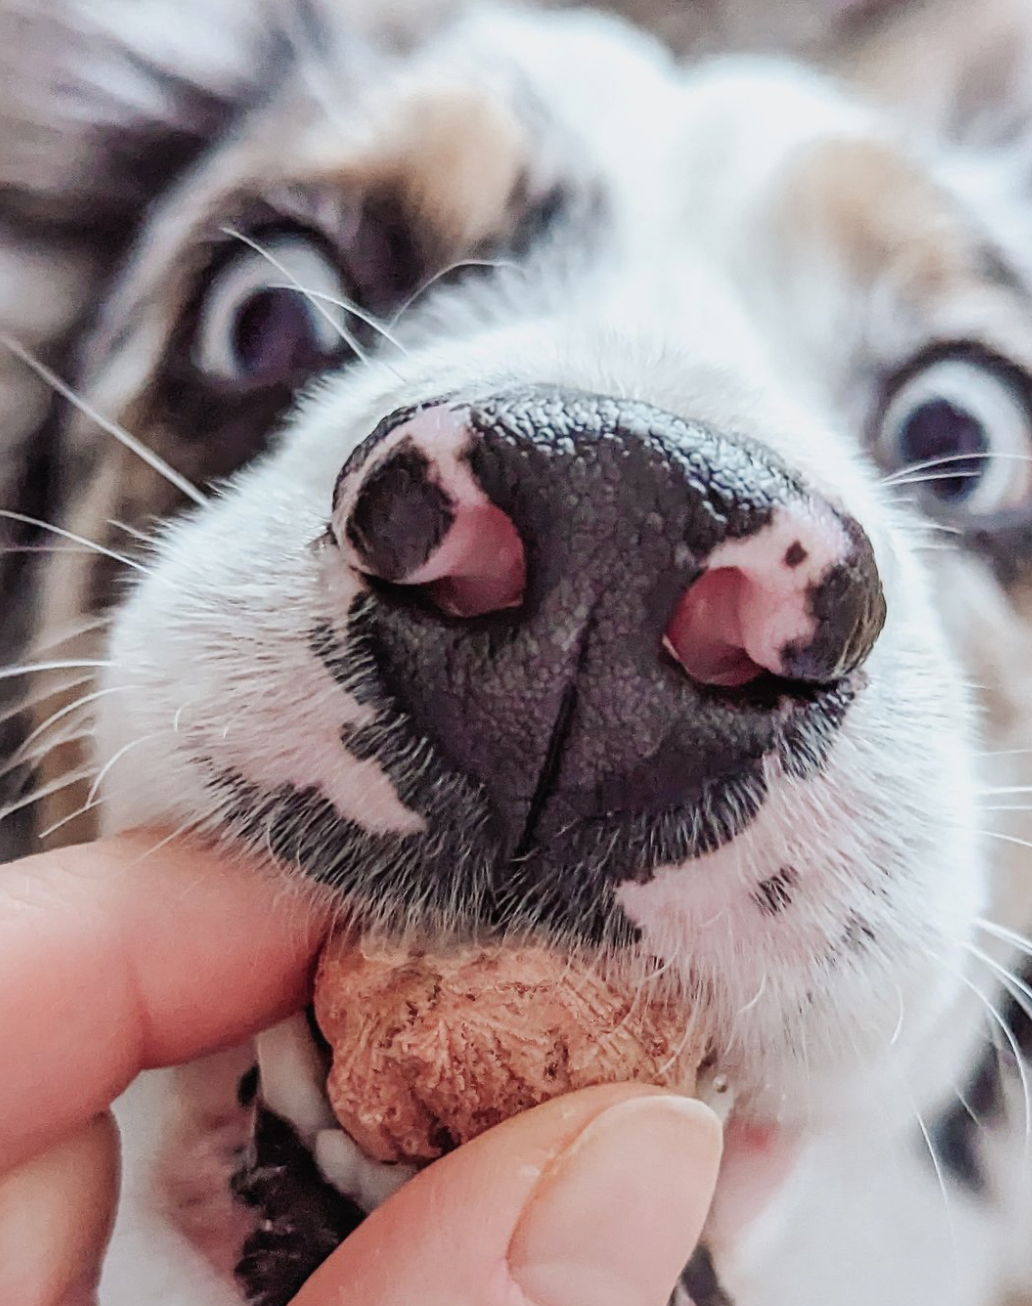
[{"x": 592, "y": 606}]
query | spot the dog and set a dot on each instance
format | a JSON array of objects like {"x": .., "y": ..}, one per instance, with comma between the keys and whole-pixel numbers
[{"x": 518, "y": 481}]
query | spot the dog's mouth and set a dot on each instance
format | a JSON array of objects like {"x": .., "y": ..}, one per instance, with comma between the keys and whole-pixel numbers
[{"x": 309, "y": 1186}]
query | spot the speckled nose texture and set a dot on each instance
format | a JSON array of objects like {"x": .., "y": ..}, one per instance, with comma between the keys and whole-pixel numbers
[{"x": 601, "y": 618}]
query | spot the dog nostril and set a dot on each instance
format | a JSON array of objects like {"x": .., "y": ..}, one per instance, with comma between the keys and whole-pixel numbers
[
  {"x": 479, "y": 566},
  {"x": 418, "y": 519},
  {"x": 800, "y": 599},
  {"x": 706, "y": 634}
]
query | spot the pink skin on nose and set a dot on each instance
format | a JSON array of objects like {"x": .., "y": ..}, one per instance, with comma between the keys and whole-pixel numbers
[
  {"x": 479, "y": 565},
  {"x": 753, "y": 600}
]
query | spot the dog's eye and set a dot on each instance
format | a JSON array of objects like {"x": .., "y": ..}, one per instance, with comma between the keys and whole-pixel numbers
[
  {"x": 960, "y": 430},
  {"x": 257, "y": 327}
]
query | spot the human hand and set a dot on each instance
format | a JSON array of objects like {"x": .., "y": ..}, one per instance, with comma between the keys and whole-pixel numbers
[{"x": 108, "y": 960}]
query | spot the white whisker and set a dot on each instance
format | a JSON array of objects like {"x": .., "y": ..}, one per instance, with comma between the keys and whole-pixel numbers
[
  {"x": 46, "y": 550},
  {"x": 131, "y": 531},
  {"x": 33, "y": 668},
  {"x": 27, "y": 758},
  {"x": 84, "y": 810},
  {"x": 1006, "y": 838},
  {"x": 30, "y": 701},
  {"x": 81, "y": 702},
  {"x": 900, "y": 1021},
  {"x": 348, "y": 306},
  {"x": 1005, "y": 935},
  {"x": 92, "y": 801},
  {"x": 55, "y": 787},
  {"x": 90, "y": 545},
  {"x": 116, "y": 758},
  {"x": 753, "y": 1002},
  {"x": 446, "y": 272},
  {"x": 130, "y": 442},
  {"x": 177, "y": 833},
  {"x": 932, "y": 464},
  {"x": 67, "y": 634}
]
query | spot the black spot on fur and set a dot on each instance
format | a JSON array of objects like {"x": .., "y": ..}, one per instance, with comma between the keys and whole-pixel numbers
[
  {"x": 301, "y": 1217},
  {"x": 953, "y": 1140},
  {"x": 773, "y": 896},
  {"x": 1017, "y": 1016},
  {"x": 858, "y": 934},
  {"x": 956, "y": 1135},
  {"x": 795, "y": 555},
  {"x": 247, "y": 1089},
  {"x": 805, "y": 741},
  {"x": 701, "y": 1283}
]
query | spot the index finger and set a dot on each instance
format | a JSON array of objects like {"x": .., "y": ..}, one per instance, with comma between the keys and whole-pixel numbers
[{"x": 113, "y": 961}]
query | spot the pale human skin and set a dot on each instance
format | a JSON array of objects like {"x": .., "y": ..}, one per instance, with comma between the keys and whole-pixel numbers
[{"x": 597, "y": 1198}]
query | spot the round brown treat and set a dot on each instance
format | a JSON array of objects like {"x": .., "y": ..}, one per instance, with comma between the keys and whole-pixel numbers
[{"x": 430, "y": 1050}]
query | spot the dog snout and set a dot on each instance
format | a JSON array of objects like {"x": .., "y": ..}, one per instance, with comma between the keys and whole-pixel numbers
[{"x": 593, "y": 606}]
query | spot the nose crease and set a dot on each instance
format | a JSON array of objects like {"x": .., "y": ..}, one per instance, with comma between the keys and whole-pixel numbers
[{"x": 549, "y": 771}]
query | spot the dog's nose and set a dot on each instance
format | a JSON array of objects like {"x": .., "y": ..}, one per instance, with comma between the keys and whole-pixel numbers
[{"x": 576, "y": 592}]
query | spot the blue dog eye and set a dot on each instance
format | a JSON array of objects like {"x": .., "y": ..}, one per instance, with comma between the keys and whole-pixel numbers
[
  {"x": 272, "y": 316},
  {"x": 277, "y": 333},
  {"x": 959, "y": 433},
  {"x": 950, "y": 440}
]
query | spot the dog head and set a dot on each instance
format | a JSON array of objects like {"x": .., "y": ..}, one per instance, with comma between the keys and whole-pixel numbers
[{"x": 585, "y": 575}]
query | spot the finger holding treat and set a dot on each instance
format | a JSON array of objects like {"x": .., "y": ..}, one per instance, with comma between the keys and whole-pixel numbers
[{"x": 411, "y": 1055}]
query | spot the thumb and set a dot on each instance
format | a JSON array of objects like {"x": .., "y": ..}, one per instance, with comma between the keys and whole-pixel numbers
[{"x": 596, "y": 1199}]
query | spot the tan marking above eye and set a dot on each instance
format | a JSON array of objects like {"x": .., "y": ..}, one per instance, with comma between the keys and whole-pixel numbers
[
  {"x": 879, "y": 212},
  {"x": 456, "y": 154}
]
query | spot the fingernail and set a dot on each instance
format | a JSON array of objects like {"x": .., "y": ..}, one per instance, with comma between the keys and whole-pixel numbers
[{"x": 616, "y": 1217}]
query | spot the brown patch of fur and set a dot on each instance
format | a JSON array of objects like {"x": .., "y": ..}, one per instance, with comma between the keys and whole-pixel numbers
[
  {"x": 880, "y": 214},
  {"x": 454, "y": 156}
]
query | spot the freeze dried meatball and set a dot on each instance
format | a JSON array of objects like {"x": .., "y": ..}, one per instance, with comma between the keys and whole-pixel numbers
[{"x": 431, "y": 1049}]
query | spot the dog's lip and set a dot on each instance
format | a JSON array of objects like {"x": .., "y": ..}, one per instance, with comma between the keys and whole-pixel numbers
[{"x": 759, "y": 1157}]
